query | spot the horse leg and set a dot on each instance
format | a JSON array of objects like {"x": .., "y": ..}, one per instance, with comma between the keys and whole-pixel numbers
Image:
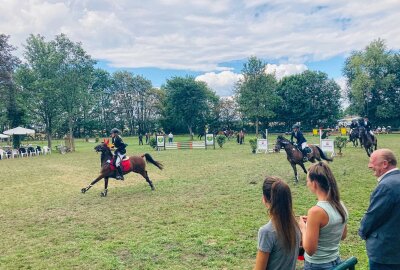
[
  {"x": 304, "y": 168},
  {"x": 104, "y": 193},
  {"x": 146, "y": 176},
  {"x": 296, "y": 178},
  {"x": 83, "y": 190}
]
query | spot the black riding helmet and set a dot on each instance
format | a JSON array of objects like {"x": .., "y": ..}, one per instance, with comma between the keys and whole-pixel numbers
[
  {"x": 115, "y": 130},
  {"x": 295, "y": 126}
]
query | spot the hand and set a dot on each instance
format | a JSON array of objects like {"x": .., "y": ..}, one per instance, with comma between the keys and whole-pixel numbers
[{"x": 302, "y": 223}]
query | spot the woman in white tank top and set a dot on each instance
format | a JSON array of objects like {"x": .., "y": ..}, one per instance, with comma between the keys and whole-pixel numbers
[{"x": 325, "y": 224}]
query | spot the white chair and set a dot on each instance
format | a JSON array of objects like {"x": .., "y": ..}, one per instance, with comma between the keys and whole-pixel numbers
[
  {"x": 3, "y": 154},
  {"x": 39, "y": 150},
  {"x": 31, "y": 151},
  {"x": 14, "y": 153},
  {"x": 46, "y": 150},
  {"x": 22, "y": 152}
]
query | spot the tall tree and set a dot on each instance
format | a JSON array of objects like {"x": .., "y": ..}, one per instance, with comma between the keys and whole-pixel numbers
[
  {"x": 372, "y": 78},
  {"x": 310, "y": 98},
  {"x": 13, "y": 112},
  {"x": 256, "y": 92},
  {"x": 189, "y": 102},
  {"x": 38, "y": 78},
  {"x": 75, "y": 79}
]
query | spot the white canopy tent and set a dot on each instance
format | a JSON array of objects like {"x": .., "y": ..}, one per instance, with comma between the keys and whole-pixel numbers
[
  {"x": 2, "y": 136},
  {"x": 19, "y": 131}
]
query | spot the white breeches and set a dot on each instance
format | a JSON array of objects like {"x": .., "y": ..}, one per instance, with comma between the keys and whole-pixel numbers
[
  {"x": 304, "y": 145},
  {"x": 118, "y": 159}
]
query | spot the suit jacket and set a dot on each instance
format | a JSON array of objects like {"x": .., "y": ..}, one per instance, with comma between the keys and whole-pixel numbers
[
  {"x": 299, "y": 137},
  {"x": 380, "y": 226}
]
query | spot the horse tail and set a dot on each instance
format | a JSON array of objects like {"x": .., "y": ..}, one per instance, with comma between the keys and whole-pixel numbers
[
  {"x": 152, "y": 161},
  {"x": 323, "y": 155}
]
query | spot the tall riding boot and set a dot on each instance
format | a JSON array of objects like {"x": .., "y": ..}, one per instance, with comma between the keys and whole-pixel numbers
[
  {"x": 305, "y": 158},
  {"x": 119, "y": 174}
]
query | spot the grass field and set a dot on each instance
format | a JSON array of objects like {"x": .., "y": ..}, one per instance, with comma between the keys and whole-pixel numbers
[{"x": 204, "y": 214}]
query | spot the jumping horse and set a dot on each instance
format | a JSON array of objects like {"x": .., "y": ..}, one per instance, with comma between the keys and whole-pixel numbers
[
  {"x": 295, "y": 156},
  {"x": 137, "y": 164},
  {"x": 369, "y": 142}
]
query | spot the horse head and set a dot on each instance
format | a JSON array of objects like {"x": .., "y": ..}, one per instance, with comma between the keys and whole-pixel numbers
[{"x": 280, "y": 143}]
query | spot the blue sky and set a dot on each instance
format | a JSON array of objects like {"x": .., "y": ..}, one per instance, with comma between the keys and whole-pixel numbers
[{"x": 209, "y": 39}]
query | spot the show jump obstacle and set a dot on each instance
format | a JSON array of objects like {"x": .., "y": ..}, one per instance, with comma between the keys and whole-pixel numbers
[{"x": 208, "y": 143}]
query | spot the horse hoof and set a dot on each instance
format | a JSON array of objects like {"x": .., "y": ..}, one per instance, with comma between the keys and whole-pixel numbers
[
  {"x": 103, "y": 194},
  {"x": 83, "y": 190},
  {"x": 153, "y": 188}
]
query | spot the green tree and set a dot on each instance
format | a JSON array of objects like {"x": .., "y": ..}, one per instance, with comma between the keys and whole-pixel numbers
[
  {"x": 38, "y": 78},
  {"x": 11, "y": 105},
  {"x": 372, "y": 75},
  {"x": 189, "y": 102},
  {"x": 310, "y": 98},
  {"x": 256, "y": 92},
  {"x": 74, "y": 78}
]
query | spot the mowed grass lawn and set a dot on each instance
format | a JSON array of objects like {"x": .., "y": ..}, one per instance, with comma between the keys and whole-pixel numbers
[{"x": 204, "y": 214}]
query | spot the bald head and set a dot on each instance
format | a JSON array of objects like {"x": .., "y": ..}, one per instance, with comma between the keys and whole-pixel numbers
[
  {"x": 385, "y": 154},
  {"x": 381, "y": 161}
]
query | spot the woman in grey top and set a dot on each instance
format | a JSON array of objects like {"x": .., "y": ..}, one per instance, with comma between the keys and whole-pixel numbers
[
  {"x": 279, "y": 239},
  {"x": 325, "y": 224}
]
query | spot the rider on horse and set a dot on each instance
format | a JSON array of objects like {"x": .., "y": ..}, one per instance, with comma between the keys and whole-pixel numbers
[
  {"x": 353, "y": 125},
  {"x": 367, "y": 125},
  {"x": 301, "y": 141},
  {"x": 119, "y": 152}
]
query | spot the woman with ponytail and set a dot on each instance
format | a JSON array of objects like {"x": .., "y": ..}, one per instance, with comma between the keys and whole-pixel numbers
[
  {"x": 325, "y": 224},
  {"x": 279, "y": 239}
]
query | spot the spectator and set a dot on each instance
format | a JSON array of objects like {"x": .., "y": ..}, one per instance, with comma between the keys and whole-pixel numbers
[
  {"x": 380, "y": 224},
  {"x": 170, "y": 137},
  {"x": 279, "y": 239},
  {"x": 147, "y": 137},
  {"x": 140, "y": 139},
  {"x": 325, "y": 224}
]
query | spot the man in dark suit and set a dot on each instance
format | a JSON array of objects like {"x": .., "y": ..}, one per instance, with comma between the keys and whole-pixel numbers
[{"x": 380, "y": 226}]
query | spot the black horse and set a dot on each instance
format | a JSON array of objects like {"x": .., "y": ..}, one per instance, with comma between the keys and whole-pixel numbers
[
  {"x": 137, "y": 165},
  {"x": 354, "y": 136},
  {"x": 369, "y": 142},
  {"x": 295, "y": 156}
]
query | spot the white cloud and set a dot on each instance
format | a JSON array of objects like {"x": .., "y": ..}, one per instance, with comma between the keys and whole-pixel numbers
[
  {"x": 342, "y": 82},
  {"x": 200, "y": 34},
  {"x": 283, "y": 70},
  {"x": 222, "y": 83}
]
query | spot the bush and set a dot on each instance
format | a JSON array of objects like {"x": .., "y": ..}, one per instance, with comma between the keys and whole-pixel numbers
[
  {"x": 340, "y": 142},
  {"x": 153, "y": 142},
  {"x": 221, "y": 139},
  {"x": 253, "y": 145}
]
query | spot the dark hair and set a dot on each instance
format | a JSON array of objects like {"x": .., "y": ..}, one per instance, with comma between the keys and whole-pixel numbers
[
  {"x": 322, "y": 174},
  {"x": 277, "y": 193}
]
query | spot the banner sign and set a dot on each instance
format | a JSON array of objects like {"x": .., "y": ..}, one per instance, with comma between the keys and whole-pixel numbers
[
  {"x": 327, "y": 145},
  {"x": 210, "y": 139},
  {"x": 160, "y": 141},
  {"x": 262, "y": 145}
]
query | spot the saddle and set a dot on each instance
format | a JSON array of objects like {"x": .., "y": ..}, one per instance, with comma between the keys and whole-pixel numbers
[{"x": 125, "y": 164}]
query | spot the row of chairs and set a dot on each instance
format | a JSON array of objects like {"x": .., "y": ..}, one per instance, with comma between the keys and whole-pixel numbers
[{"x": 24, "y": 152}]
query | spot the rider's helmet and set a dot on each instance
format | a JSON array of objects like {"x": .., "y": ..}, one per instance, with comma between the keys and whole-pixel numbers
[
  {"x": 295, "y": 126},
  {"x": 365, "y": 116},
  {"x": 115, "y": 130}
]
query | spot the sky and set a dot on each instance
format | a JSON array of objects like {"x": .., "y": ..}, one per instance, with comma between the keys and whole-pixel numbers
[{"x": 209, "y": 39}]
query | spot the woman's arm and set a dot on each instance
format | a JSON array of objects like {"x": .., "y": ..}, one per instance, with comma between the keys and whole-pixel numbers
[
  {"x": 344, "y": 232},
  {"x": 316, "y": 218},
  {"x": 261, "y": 260}
]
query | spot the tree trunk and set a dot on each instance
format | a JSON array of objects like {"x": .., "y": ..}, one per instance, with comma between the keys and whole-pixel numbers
[
  {"x": 256, "y": 127},
  {"x": 190, "y": 132},
  {"x": 71, "y": 135}
]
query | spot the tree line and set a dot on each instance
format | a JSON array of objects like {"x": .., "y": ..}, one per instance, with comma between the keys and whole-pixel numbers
[{"x": 56, "y": 89}]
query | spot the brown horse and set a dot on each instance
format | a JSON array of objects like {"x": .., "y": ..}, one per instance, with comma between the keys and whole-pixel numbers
[
  {"x": 137, "y": 165},
  {"x": 295, "y": 157}
]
